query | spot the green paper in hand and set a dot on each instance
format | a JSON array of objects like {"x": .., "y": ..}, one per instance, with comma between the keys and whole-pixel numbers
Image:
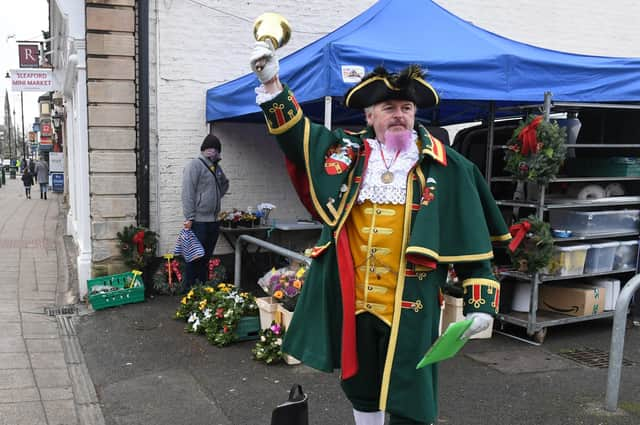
[{"x": 447, "y": 345}]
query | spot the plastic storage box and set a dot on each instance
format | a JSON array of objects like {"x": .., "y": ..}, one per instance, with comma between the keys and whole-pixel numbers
[
  {"x": 600, "y": 257},
  {"x": 584, "y": 223},
  {"x": 615, "y": 166},
  {"x": 568, "y": 260},
  {"x": 626, "y": 255}
]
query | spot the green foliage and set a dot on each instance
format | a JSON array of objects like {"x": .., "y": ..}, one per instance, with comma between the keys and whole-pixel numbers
[
  {"x": 268, "y": 349},
  {"x": 540, "y": 166},
  {"x": 536, "y": 249}
]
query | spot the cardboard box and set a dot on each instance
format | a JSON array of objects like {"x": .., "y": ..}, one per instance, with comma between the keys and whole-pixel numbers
[
  {"x": 573, "y": 301},
  {"x": 452, "y": 312}
]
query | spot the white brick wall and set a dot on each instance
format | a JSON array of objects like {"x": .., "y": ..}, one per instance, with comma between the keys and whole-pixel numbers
[
  {"x": 202, "y": 47},
  {"x": 578, "y": 26}
]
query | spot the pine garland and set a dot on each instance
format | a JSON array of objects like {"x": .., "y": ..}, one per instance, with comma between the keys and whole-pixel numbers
[{"x": 536, "y": 150}]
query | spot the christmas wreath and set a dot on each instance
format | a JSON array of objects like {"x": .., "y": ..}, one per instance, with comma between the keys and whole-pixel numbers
[
  {"x": 531, "y": 248},
  {"x": 137, "y": 246},
  {"x": 536, "y": 150}
]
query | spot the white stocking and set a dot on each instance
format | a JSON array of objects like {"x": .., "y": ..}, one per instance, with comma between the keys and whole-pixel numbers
[{"x": 368, "y": 418}]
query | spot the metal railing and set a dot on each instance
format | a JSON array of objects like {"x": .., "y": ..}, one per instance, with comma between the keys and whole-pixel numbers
[
  {"x": 617, "y": 342},
  {"x": 263, "y": 244}
]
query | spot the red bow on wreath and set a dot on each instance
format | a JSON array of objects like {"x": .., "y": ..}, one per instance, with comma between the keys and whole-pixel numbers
[
  {"x": 528, "y": 136},
  {"x": 138, "y": 239},
  {"x": 518, "y": 231}
]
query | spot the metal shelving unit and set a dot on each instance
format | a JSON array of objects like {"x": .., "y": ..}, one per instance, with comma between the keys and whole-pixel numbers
[{"x": 536, "y": 322}]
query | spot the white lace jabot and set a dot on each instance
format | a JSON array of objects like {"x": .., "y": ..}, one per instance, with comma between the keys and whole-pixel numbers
[{"x": 373, "y": 188}]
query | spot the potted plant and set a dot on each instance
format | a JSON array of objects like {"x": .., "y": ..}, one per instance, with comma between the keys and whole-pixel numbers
[{"x": 224, "y": 314}]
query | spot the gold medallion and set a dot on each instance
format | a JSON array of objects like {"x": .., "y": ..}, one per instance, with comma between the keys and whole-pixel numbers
[{"x": 386, "y": 177}]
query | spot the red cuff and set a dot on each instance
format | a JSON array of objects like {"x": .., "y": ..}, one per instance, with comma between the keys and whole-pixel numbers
[{"x": 422, "y": 261}]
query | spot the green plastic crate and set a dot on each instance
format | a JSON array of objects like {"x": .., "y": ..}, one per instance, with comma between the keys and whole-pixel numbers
[
  {"x": 115, "y": 298},
  {"x": 248, "y": 328}
]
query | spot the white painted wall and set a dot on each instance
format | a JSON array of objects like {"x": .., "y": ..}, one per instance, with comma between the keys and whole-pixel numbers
[{"x": 203, "y": 46}]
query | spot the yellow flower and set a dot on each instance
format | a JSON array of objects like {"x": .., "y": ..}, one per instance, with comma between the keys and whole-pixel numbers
[
  {"x": 300, "y": 272},
  {"x": 244, "y": 294},
  {"x": 183, "y": 301},
  {"x": 190, "y": 294},
  {"x": 209, "y": 289},
  {"x": 278, "y": 294},
  {"x": 221, "y": 285},
  {"x": 202, "y": 305}
]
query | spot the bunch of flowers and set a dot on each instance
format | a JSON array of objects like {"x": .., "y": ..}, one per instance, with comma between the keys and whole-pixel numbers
[
  {"x": 217, "y": 272},
  {"x": 284, "y": 284},
  {"x": 268, "y": 349},
  {"x": 137, "y": 246},
  {"x": 536, "y": 150},
  {"x": 216, "y": 311},
  {"x": 531, "y": 248}
]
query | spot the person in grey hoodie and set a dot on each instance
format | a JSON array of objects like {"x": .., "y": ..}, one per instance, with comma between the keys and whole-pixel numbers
[
  {"x": 203, "y": 186},
  {"x": 42, "y": 173}
]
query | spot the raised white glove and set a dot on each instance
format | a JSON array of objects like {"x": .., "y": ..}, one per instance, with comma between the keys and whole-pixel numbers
[
  {"x": 264, "y": 62},
  {"x": 481, "y": 321}
]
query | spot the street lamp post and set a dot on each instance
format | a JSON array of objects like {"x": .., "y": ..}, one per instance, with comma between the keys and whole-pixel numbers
[
  {"x": 15, "y": 135},
  {"x": 24, "y": 142}
]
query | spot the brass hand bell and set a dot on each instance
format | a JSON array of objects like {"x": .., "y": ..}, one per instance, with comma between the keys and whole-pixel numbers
[{"x": 273, "y": 29}]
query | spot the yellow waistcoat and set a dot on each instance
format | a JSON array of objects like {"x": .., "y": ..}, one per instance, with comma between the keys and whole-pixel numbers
[{"x": 375, "y": 238}]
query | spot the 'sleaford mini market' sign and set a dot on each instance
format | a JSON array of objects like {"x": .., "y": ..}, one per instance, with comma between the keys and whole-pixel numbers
[{"x": 31, "y": 80}]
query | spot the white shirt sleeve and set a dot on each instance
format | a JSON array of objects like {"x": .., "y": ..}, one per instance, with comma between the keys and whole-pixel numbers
[{"x": 263, "y": 96}]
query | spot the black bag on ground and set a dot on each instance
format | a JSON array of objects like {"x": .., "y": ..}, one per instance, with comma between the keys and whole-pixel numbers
[{"x": 294, "y": 411}]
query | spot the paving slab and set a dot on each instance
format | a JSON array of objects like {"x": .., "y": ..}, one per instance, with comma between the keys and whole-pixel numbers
[
  {"x": 12, "y": 345},
  {"x": 56, "y": 393},
  {"x": 16, "y": 378},
  {"x": 14, "y": 361},
  {"x": 27, "y": 413},
  {"x": 17, "y": 395},
  {"x": 48, "y": 360},
  {"x": 48, "y": 378},
  {"x": 11, "y": 329},
  {"x": 38, "y": 345},
  {"x": 60, "y": 412}
]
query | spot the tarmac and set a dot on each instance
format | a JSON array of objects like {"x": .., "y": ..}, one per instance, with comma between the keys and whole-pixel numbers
[{"x": 61, "y": 362}]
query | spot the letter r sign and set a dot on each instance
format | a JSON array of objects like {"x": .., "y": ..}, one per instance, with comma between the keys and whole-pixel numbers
[{"x": 29, "y": 55}]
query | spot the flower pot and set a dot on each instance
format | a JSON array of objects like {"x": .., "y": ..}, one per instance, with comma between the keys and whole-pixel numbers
[
  {"x": 284, "y": 316},
  {"x": 267, "y": 307}
]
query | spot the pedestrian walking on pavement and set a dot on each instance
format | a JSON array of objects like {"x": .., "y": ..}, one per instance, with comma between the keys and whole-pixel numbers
[
  {"x": 27, "y": 180},
  {"x": 42, "y": 174}
]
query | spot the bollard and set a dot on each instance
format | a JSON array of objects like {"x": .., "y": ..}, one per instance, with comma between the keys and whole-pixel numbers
[{"x": 617, "y": 342}]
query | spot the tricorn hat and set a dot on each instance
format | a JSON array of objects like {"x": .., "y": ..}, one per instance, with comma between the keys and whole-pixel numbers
[{"x": 381, "y": 85}]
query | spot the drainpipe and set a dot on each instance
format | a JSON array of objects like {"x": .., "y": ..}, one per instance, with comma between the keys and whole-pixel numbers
[{"x": 143, "y": 105}]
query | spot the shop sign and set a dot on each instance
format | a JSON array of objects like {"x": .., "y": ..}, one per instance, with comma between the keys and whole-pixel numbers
[
  {"x": 56, "y": 162},
  {"x": 29, "y": 55},
  {"x": 57, "y": 181},
  {"x": 45, "y": 128},
  {"x": 32, "y": 80}
]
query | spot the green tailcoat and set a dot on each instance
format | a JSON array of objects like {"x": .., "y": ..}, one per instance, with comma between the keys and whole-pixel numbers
[{"x": 450, "y": 218}]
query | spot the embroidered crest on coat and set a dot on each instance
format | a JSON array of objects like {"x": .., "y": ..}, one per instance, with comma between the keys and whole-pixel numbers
[{"x": 339, "y": 157}]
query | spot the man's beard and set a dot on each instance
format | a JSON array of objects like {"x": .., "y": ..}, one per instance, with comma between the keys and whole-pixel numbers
[{"x": 398, "y": 140}]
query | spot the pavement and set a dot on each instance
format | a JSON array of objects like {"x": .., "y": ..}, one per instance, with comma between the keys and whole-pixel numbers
[{"x": 63, "y": 363}]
